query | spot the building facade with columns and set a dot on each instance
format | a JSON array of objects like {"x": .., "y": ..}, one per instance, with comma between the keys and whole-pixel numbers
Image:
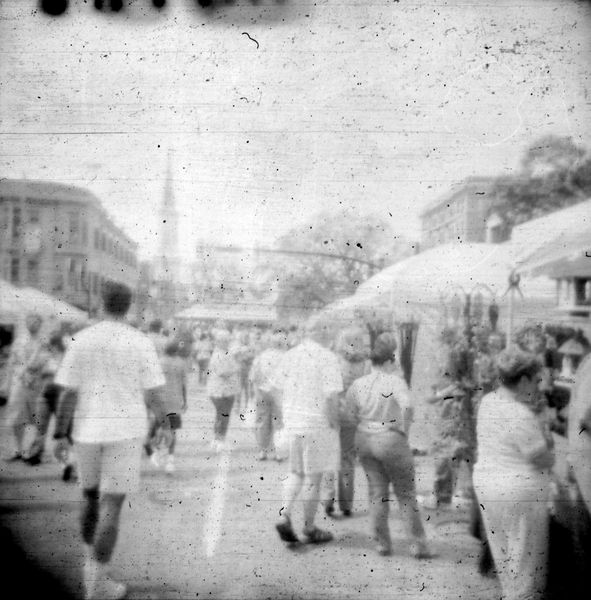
[{"x": 59, "y": 239}]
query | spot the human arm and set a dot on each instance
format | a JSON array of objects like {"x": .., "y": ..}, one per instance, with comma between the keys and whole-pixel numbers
[{"x": 533, "y": 442}]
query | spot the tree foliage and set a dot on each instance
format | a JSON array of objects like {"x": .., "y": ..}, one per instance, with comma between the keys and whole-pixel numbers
[
  {"x": 555, "y": 173},
  {"x": 336, "y": 253}
]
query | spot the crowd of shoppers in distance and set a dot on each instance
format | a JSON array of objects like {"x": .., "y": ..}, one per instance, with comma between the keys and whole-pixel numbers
[{"x": 321, "y": 404}]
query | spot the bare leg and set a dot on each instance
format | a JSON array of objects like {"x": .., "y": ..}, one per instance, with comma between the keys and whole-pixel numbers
[
  {"x": 108, "y": 526},
  {"x": 291, "y": 490},
  {"x": 90, "y": 515},
  {"x": 311, "y": 498}
]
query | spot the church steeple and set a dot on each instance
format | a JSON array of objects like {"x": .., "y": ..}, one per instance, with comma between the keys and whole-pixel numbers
[{"x": 169, "y": 218}]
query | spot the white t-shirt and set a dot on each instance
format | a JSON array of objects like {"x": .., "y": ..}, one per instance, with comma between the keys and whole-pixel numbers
[
  {"x": 307, "y": 375},
  {"x": 110, "y": 365}
]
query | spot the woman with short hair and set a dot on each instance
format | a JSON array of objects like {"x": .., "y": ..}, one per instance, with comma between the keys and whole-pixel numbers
[
  {"x": 512, "y": 477},
  {"x": 380, "y": 403}
]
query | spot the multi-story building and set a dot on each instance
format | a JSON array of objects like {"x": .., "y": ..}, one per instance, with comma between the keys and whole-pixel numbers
[
  {"x": 59, "y": 239},
  {"x": 465, "y": 214}
]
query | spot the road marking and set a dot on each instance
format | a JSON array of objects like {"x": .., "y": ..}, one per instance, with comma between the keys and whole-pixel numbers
[{"x": 212, "y": 530}]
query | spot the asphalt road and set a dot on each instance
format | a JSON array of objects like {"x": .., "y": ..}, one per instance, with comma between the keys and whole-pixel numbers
[{"x": 208, "y": 532}]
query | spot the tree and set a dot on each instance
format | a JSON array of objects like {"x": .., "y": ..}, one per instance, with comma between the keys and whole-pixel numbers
[
  {"x": 555, "y": 173},
  {"x": 338, "y": 252}
]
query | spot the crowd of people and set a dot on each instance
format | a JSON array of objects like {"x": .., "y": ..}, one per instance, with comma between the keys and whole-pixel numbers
[{"x": 322, "y": 404}]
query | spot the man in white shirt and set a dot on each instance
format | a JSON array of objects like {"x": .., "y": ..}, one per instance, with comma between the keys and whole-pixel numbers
[
  {"x": 309, "y": 378},
  {"x": 110, "y": 373}
]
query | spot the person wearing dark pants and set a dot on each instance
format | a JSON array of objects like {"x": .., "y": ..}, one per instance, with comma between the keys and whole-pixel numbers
[
  {"x": 223, "y": 386},
  {"x": 223, "y": 407},
  {"x": 380, "y": 403}
]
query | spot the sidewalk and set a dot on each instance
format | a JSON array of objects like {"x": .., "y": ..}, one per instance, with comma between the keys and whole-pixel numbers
[{"x": 208, "y": 531}]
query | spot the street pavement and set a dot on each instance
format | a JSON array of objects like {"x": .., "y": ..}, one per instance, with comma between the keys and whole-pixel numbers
[{"x": 207, "y": 531}]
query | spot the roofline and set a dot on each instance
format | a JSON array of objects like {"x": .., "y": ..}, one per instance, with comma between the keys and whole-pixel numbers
[
  {"x": 456, "y": 188},
  {"x": 39, "y": 189}
]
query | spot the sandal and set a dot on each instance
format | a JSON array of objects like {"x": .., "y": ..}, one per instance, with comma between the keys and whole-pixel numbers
[
  {"x": 286, "y": 532},
  {"x": 317, "y": 536}
]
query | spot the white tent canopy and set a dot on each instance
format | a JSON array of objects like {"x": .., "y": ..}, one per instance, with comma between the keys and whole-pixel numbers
[
  {"x": 233, "y": 312},
  {"x": 16, "y": 303},
  {"x": 561, "y": 235}
]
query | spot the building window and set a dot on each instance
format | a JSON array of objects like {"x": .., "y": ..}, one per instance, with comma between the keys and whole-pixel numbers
[
  {"x": 15, "y": 269},
  {"x": 73, "y": 275},
  {"x": 4, "y": 223},
  {"x": 16, "y": 222},
  {"x": 33, "y": 215},
  {"x": 33, "y": 271},
  {"x": 84, "y": 233},
  {"x": 58, "y": 281},
  {"x": 74, "y": 227}
]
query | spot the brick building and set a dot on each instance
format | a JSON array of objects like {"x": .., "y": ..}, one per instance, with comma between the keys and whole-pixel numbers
[
  {"x": 465, "y": 214},
  {"x": 59, "y": 239}
]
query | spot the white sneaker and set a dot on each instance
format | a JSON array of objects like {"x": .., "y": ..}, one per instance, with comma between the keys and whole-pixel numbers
[
  {"x": 170, "y": 467},
  {"x": 156, "y": 459},
  {"x": 98, "y": 584}
]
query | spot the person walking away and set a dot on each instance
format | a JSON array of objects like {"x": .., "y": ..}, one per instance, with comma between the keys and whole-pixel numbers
[
  {"x": 268, "y": 401},
  {"x": 203, "y": 350},
  {"x": 47, "y": 401},
  {"x": 25, "y": 385},
  {"x": 223, "y": 386},
  {"x": 352, "y": 349},
  {"x": 309, "y": 378},
  {"x": 513, "y": 476},
  {"x": 381, "y": 406},
  {"x": 174, "y": 367},
  {"x": 243, "y": 353},
  {"x": 109, "y": 374}
]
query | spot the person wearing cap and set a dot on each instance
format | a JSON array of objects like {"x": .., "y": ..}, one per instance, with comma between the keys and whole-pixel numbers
[
  {"x": 309, "y": 378},
  {"x": 223, "y": 386},
  {"x": 268, "y": 402},
  {"x": 381, "y": 405},
  {"x": 513, "y": 476}
]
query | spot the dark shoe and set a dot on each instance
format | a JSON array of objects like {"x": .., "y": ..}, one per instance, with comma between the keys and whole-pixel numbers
[
  {"x": 317, "y": 536},
  {"x": 33, "y": 460},
  {"x": 286, "y": 532},
  {"x": 67, "y": 472},
  {"x": 347, "y": 512},
  {"x": 384, "y": 550},
  {"x": 148, "y": 450},
  {"x": 329, "y": 509}
]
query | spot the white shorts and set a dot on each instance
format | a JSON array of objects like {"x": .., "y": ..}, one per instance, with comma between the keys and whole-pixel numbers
[
  {"x": 112, "y": 467},
  {"x": 314, "y": 451}
]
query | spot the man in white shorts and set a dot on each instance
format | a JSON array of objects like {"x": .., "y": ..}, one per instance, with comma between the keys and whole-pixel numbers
[
  {"x": 309, "y": 377},
  {"x": 110, "y": 373}
]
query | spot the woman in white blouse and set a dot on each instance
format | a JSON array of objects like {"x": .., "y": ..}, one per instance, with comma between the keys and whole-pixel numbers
[
  {"x": 512, "y": 477},
  {"x": 380, "y": 404}
]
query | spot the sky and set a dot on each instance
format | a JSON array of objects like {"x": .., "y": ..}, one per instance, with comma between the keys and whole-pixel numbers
[{"x": 282, "y": 109}]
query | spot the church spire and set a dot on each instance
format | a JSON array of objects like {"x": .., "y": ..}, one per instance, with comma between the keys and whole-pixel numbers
[{"x": 169, "y": 215}]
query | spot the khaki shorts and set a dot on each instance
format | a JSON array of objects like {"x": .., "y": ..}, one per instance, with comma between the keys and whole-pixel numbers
[
  {"x": 314, "y": 451},
  {"x": 22, "y": 405},
  {"x": 112, "y": 467}
]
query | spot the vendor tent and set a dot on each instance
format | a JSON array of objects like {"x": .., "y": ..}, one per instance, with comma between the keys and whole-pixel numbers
[
  {"x": 16, "y": 303},
  {"x": 424, "y": 288},
  {"x": 559, "y": 237}
]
